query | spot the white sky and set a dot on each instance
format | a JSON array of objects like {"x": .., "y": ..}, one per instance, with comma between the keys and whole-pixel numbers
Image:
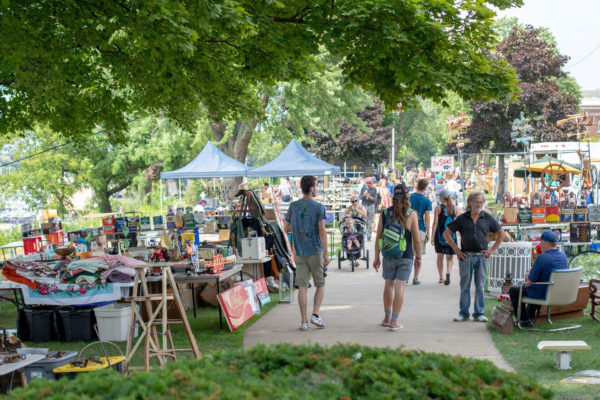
[{"x": 576, "y": 26}]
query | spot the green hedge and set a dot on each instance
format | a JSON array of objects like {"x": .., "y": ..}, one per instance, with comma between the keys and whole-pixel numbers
[{"x": 301, "y": 372}]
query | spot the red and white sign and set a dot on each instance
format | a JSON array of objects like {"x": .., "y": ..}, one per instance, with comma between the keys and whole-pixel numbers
[
  {"x": 236, "y": 306},
  {"x": 442, "y": 164}
]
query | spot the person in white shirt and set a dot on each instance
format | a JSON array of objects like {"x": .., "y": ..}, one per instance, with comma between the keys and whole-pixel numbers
[{"x": 285, "y": 190}]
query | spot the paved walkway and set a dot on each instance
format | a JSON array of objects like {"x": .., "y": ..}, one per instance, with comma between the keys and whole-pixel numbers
[{"x": 353, "y": 309}]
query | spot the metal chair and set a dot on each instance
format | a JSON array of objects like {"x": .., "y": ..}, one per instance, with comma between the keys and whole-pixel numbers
[
  {"x": 562, "y": 291},
  {"x": 594, "y": 298}
]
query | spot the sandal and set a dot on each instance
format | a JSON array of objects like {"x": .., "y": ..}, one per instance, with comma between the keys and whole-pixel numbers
[{"x": 441, "y": 281}]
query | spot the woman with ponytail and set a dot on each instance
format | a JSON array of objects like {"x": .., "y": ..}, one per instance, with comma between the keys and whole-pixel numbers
[
  {"x": 444, "y": 214},
  {"x": 397, "y": 227}
]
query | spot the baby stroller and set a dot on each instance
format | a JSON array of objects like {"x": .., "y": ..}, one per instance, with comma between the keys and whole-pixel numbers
[{"x": 355, "y": 253}]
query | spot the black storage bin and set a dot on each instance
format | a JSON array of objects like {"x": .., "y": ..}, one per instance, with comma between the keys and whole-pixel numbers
[
  {"x": 75, "y": 324},
  {"x": 36, "y": 324}
]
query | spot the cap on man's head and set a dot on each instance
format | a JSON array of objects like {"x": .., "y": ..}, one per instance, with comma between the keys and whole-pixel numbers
[
  {"x": 444, "y": 194},
  {"x": 399, "y": 190},
  {"x": 549, "y": 236}
]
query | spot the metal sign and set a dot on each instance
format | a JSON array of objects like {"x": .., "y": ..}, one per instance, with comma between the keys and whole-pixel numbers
[{"x": 442, "y": 164}]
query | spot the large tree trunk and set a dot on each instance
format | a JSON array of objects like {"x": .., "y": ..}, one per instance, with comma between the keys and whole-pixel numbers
[
  {"x": 103, "y": 201},
  {"x": 151, "y": 173},
  {"x": 501, "y": 178},
  {"x": 236, "y": 145}
]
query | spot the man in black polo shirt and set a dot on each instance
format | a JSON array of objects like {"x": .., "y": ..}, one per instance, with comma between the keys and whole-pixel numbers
[{"x": 474, "y": 226}]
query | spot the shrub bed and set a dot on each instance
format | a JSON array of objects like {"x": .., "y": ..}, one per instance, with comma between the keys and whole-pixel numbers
[{"x": 301, "y": 372}]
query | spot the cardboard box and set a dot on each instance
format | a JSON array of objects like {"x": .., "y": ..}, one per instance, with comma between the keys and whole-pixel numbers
[
  {"x": 552, "y": 214},
  {"x": 145, "y": 224},
  {"x": 580, "y": 214},
  {"x": 594, "y": 213},
  {"x": 47, "y": 214},
  {"x": 170, "y": 222},
  {"x": 206, "y": 254},
  {"x": 223, "y": 234},
  {"x": 524, "y": 216},
  {"x": 538, "y": 215},
  {"x": 158, "y": 222},
  {"x": 510, "y": 215},
  {"x": 253, "y": 248},
  {"x": 133, "y": 223},
  {"x": 210, "y": 227},
  {"x": 566, "y": 214},
  {"x": 189, "y": 221},
  {"x": 120, "y": 222}
]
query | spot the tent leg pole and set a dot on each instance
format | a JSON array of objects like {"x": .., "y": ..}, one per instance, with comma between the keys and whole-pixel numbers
[
  {"x": 179, "y": 192},
  {"x": 161, "y": 197}
]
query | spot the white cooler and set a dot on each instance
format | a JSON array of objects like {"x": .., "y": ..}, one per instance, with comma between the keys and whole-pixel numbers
[{"x": 113, "y": 322}]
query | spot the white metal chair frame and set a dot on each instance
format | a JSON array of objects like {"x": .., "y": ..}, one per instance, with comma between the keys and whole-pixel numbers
[{"x": 564, "y": 298}]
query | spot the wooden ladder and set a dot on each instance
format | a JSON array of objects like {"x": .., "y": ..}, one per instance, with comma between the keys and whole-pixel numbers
[{"x": 149, "y": 334}]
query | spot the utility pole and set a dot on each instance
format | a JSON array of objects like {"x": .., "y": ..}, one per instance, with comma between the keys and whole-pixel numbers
[{"x": 393, "y": 148}]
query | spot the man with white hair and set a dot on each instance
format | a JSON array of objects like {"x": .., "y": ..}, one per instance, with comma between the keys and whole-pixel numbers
[
  {"x": 368, "y": 197},
  {"x": 474, "y": 226}
]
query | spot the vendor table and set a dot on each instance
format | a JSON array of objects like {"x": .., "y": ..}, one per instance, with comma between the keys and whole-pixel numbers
[
  {"x": 11, "y": 368},
  {"x": 65, "y": 294},
  {"x": 8, "y": 288},
  {"x": 13, "y": 245},
  {"x": 203, "y": 278},
  {"x": 255, "y": 264}
]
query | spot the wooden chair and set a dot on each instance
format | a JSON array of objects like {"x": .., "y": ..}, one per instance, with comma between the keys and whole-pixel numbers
[
  {"x": 562, "y": 290},
  {"x": 594, "y": 298}
]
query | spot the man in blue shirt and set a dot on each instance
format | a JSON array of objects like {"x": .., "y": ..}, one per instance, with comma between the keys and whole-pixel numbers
[
  {"x": 306, "y": 218},
  {"x": 551, "y": 259},
  {"x": 422, "y": 205}
]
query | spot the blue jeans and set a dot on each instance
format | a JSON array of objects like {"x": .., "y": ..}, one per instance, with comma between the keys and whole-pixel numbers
[{"x": 473, "y": 266}]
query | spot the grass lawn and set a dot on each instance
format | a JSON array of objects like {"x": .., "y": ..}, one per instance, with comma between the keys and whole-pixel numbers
[
  {"x": 520, "y": 351},
  {"x": 206, "y": 330}
]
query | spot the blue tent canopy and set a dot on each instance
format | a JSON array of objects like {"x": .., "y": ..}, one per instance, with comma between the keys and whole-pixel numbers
[
  {"x": 294, "y": 160},
  {"x": 210, "y": 163}
]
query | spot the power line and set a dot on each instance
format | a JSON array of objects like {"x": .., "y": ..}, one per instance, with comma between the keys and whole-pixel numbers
[
  {"x": 584, "y": 58},
  {"x": 58, "y": 146}
]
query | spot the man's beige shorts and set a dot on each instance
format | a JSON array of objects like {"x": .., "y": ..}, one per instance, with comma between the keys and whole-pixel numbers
[
  {"x": 307, "y": 266},
  {"x": 423, "y": 242}
]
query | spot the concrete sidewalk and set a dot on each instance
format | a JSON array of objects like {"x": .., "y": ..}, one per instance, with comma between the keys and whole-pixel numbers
[{"x": 353, "y": 310}]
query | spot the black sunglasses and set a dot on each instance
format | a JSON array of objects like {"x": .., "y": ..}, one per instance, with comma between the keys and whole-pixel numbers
[{"x": 353, "y": 201}]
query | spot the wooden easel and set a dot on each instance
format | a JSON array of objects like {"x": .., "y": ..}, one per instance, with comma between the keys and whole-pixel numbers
[{"x": 149, "y": 334}]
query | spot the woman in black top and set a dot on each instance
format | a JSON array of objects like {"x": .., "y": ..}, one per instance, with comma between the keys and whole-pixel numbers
[{"x": 444, "y": 211}]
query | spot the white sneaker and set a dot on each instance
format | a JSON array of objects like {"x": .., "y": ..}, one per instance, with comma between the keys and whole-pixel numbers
[
  {"x": 317, "y": 321},
  {"x": 481, "y": 318},
  {"x": 304, "y": 326},
  {"x": 460, "y": 318}
]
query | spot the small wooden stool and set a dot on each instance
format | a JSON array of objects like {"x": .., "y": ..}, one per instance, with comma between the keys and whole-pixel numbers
[{"x": 563, "y": 348}]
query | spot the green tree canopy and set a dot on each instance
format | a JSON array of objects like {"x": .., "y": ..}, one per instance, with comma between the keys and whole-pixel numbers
[
  {"x": 73, "y": 66},
  {"x": 52, "y": 178}
]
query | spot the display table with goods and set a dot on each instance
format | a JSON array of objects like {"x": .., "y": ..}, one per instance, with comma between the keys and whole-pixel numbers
[
  {"x": 575, "y": 223},
  {"x": 216, "y": 278}
]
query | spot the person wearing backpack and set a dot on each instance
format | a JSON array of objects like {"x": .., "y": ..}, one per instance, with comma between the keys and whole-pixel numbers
[
  {"x": 397, "y": 227},
  {"x": 444, "y": 214},
  {"x": 473, "y": 254},
  {"x": 422, "y": 205}
]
